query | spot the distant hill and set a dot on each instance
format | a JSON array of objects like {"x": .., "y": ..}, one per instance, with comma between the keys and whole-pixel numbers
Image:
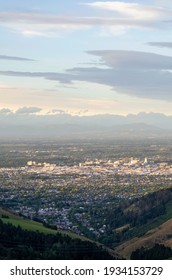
[
  {"x": 76, "y": 131},
  {"x": 105, "y": 126},
  {"x": 138, "y": 130}
]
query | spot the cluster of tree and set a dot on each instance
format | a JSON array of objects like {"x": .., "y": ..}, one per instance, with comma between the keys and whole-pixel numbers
[
  {"x": 17, "y": 243},
  {"x": 141, "y": 210},
  {"x": 157, "y": 252},
  {"x": 136, "y": 212},
  {"x": 147, "y": 208}
]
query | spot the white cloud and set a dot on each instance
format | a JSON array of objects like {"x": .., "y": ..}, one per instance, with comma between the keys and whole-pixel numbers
[
  {"x": 42, "y": 24},
  {"x": 132, "y": 10}
]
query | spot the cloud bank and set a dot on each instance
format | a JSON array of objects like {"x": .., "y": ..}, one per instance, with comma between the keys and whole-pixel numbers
[{"x": 140, "y": 74}]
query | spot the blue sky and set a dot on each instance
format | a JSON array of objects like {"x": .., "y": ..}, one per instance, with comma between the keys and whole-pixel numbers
[{"x": 86, "y": 57}]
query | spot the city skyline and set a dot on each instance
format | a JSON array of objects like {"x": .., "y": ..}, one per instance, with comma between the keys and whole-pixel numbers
[{"x": 85, "y": 57}]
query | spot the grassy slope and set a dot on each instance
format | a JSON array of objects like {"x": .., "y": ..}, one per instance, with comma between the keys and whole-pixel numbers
[
  {"x": 32, "y": 225},
  {"x": 36, "y": 226}
]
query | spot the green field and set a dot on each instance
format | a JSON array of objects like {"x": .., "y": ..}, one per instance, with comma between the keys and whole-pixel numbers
[{"x": 32, "y": 225}]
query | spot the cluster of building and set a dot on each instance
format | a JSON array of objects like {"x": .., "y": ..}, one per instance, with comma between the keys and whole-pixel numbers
[
  {"x": 121, "y": 166},
  {"x": 63, "y": 195}
]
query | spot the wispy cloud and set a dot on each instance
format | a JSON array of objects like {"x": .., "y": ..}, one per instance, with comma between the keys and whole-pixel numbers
[
  {"x": 161, "y": 44},
  {"x": 43, "y": 24},
  {"x": 63, "y": 78},
  {"x": 119, "y": 15},
  {"x": 132, "y": 15},
  {"x": 131, "y": 10},
  {"x": 7, "y": 57}
]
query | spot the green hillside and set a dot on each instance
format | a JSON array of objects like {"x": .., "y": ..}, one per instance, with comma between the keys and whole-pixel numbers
[
  {"x": 21, "y": 238},
  {"x": 146, "y": 238},
  {"x": 8, "y": 216}
]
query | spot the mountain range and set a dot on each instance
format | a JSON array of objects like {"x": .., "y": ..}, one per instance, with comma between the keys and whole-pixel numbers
[{"x": 66, "y": 125}]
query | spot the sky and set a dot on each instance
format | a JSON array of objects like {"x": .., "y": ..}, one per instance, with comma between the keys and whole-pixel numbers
[{"x": 86, "y": 57}]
